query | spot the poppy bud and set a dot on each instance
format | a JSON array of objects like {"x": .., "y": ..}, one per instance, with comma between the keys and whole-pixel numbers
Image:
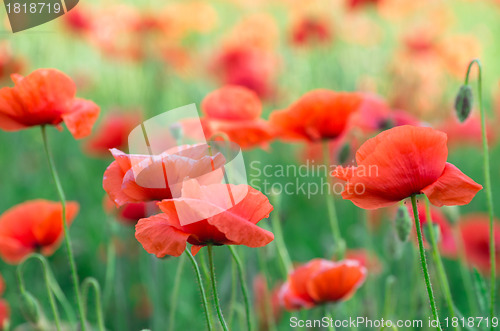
[
  {"x": 452, "y": 213},
  {"x": 176, "y": 131},
  {"x": 437, "y": 232},
  {"x": 344, "y": 153},
  {"x": 393, "y": 246},
  {"x": 403, "y": 224},
  {"x": 30, "y": 308},
  {"x": 463, "y": 102}
]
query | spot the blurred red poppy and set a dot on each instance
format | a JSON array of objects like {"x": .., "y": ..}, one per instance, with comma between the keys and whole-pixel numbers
[
  {"x": 130, "y": 213},
  {"x": 311, "y": 30},
  {"x": 46, "y": 96},
  {"x": 235, "y": 111},
  {"x": 4, "y": 314},
  {"x": 9, "y": 63},
  {"x": 401, "y": 162},
  {"x": 356, "y": 4},
  {"x": 33, "y": 226},
  {"x": 267, "y": 304},
  {"x": 141, "y": 178},
  {"x": 251, "y": 67},
  {"x": 475, "y": 230},
  {"x": 321, "y": 281},
  {"x": 113, "y": 133},
  {"x": 447, "y": 244},
  {"x": 467, "y": 133},
  {"x": 183, "y": 220},
  {"x": 318, "y": 114}
]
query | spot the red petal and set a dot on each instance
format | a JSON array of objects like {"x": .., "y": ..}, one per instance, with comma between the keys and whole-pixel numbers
[
  {"x": 452, "y": 188},
  {"x": 81, "y": 118},
  {"x": 158, "y": 237}
]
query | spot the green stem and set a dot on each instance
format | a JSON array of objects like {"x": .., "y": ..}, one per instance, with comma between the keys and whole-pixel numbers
[
  {"x": 423, "y": 261},
  {"x": 67, "y": 238},
  {"x": 241, "y": 274},
  {"x": 202, "y": 289},
  {"x": 331, "y": 321},
  {"x": 61, "y": 297},
  {"x": 487, "y": 181},
  {"x": 175, "y": 293},
  {"x": 332, "y": 212},
  {"x": 279, "y": 240},
  {"x": 110, "y": 273},
  {"x": 46, "y": 276},
  {"x": 464, "y": 272},
  {"x": 88, "y": 283},
  {"x": 232, "y": 302},
  {"x": 443, "y": 279},
  {"x": 214, "y": 288}
]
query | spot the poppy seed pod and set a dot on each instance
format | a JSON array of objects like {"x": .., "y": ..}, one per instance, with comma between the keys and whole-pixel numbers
[
  {"x": 463, "y": 103},
  {"x": 403, "y": 224}
]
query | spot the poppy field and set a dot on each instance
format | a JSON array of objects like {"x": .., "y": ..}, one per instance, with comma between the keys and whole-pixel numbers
[{"x": 251, "y": 165}]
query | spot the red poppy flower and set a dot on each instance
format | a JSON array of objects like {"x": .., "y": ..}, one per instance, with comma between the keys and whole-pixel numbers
[
  {"x": 321, "y": 281},
  {"x": 318, "y": 114},
  {"x": 251, "y": 67},
  {"x": 4, "y": 314},
  {"x": 141, "y": 178},
  {"x": 401, "y": 162},
  {"x": 467, "y": 133},
  {"x": 475, "y": 230},
  {"x": 311, "y": 31},
  {"x": 447, "y": 244},
  {"x": 46, "y": 96},
  {"x": 267, "y": 305},
  {"x": 9, "y": 63},
  {"x": 236, "y": 111},
  {"x": 204, "y": 215},
  {"x": 130, "y": 213},
  {"x": 113, "y": 133},
  {"x": 33, "y": 226}
]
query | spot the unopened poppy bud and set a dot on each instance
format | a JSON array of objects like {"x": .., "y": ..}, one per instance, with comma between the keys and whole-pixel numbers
[
  {"x": 452, "y": 213},
  {"x": 344, "y": 153},
  {"x": 403, "y": 224},
  {"x": 437, "y": 232},
  {"x": 463, "y": 102},
  {"x": 30, "y": 308},
  {"x": 393, "y": 246}
]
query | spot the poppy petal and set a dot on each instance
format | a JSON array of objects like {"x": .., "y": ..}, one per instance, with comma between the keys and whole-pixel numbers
[
  {"x": 158, "y": 237},
  {"x": 336, "y": 283},
  {"x": 81, "y": 118},
  {"x": 452, "y": 188}
]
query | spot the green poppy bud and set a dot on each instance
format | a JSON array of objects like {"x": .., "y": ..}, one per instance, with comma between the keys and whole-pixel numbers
[
  {"x": 463, "y": 102},
  {"x": 344, "y": 153},
  {"x": 403, "y": 224},
  {"x": 30, "y": 308}
]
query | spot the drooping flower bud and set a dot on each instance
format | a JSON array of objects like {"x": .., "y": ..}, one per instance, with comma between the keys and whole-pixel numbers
[
  {"x": 403, "y": 224},
  {"x": 463, "y": 102},
  {"x": 30, "y": 308}
]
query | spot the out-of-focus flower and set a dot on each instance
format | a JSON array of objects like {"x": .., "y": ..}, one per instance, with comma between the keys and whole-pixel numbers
[
  {"x": 229, "y": 224},
  {"x": 248, "y": 32},
  {"x": 78, "y": 20},
  {"x": 4, "y": 307},
  {"x": 112, "y": 133},
  {"x": 311, "y": 31},
  {"x": 361, "y": 30},
  {"x": 235, "y": 111},
  {"x": 401, "y": 162},
  {"x": 467, "y": 133},
  {"x": 267, "y": 305},
  {"x": 46, "y": 96},
  {"x": 33, "y": 226},
  {"x": 130, "y": 213},
  {"x": 317, "y": 115},
  {"x": 367, "y": 259},
  {"x": 357, "y": 4},
  {"x": 475, "y": 232},
  {"x": 141, "y": 178},
  {"x": 247, "y": 66},
  {"x": 456, "y": 51},
  {"x": 321, "y": 281},
  {"x": 9, "y": 63},
  {"x": 447, "y": 244}
]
